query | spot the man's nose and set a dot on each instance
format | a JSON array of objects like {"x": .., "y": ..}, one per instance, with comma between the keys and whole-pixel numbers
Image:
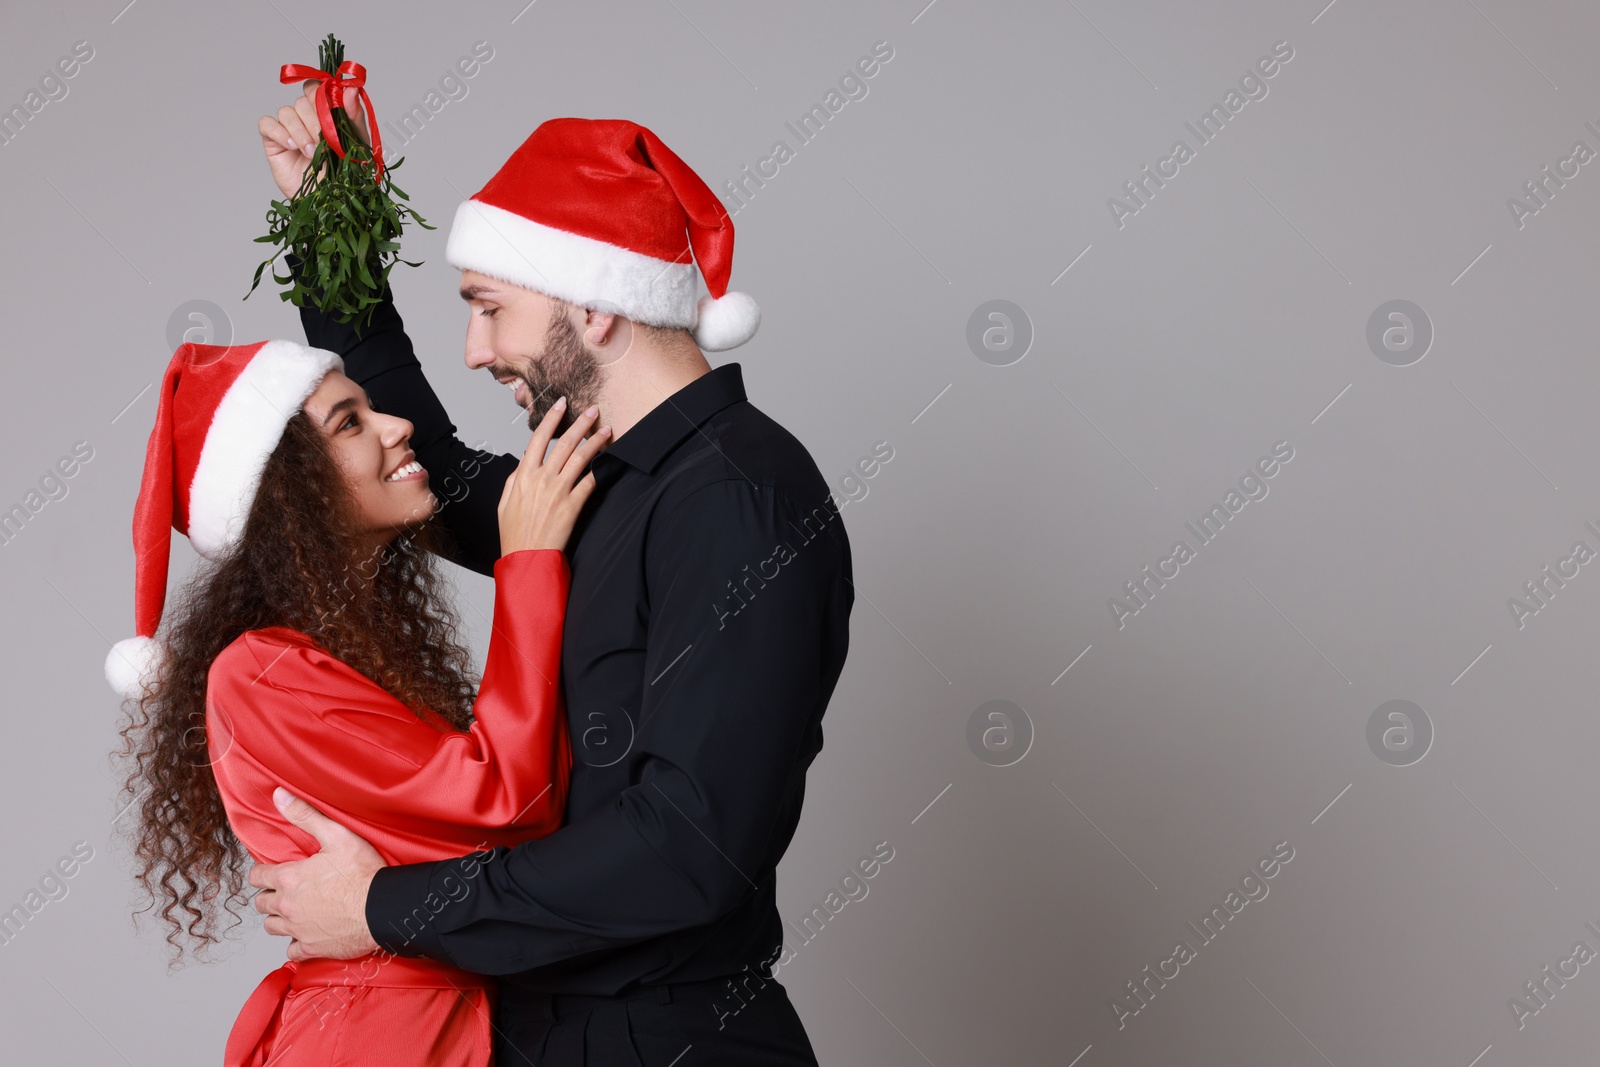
[{"x": 478, "y": 354}]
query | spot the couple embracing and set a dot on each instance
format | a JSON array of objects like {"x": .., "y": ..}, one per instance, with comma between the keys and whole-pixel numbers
[{"x": 573, "y": 861}]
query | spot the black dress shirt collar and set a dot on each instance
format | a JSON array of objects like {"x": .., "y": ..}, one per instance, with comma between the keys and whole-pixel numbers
[{"x": 649, "y": 440}]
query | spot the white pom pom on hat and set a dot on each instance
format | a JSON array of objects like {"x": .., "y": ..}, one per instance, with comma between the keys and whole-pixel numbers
[
  {"x": 726, "y": 322},
  {"x": 132, "y": 664}
]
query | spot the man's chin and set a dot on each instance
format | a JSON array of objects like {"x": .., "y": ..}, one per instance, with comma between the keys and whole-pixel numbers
[
  {"x": 563, "y": 424},
  {"x": 536, "y": 412}
]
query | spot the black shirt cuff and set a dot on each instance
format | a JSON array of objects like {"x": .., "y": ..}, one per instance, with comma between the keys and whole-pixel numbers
[
  {"x": 324, "y": 330},
  {"x": 399, "y": 915}
]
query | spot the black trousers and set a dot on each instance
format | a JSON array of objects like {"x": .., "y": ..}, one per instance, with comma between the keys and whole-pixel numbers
[{"x": 682, "y": 1024}]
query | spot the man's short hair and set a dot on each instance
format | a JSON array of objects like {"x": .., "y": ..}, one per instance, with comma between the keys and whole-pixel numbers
[{"x": 665, "y": 334}]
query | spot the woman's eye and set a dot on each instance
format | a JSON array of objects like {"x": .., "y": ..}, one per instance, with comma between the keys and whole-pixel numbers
[
  {"x": 488, "y": 312},
  {"x": 349, "y": 421}
]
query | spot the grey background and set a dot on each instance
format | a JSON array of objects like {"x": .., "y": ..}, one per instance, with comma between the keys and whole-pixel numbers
[{"x": 1229, "y": 314}]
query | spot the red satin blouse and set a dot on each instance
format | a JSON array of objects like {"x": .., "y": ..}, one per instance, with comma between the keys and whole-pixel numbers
[{"x": 280, "y": 711}]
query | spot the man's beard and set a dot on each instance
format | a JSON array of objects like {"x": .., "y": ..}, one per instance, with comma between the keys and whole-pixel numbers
[{"x": 567, "y": 369}]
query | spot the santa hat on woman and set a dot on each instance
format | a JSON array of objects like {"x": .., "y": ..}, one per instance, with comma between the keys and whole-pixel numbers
[
  {"x": 600, "y": 213},
  {"x": 221, "y": 412}
]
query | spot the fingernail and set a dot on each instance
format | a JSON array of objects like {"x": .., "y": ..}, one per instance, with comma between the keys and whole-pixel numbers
[
  {"x": 309, "y": 149},
  {"x": 281, "y": 796},
  {"x": 603, "y": 430},
  {"x": 593, "y": 411},
  {"x": 560, "y": 403},
  {"x": 292, "y": 144}
]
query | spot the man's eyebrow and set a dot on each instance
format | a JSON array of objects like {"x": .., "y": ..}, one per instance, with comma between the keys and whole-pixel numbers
[
  {"x": 472, "y": 292},
  {"x": 344, "y": 405}
]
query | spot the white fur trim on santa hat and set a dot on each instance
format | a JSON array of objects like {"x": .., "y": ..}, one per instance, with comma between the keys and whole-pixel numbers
[
  {"x": 134, "y": 664},
  {"x": 570, "y": 266},
  {"x": 727, "y": 322},
  {"x": 247, "y": 426}
]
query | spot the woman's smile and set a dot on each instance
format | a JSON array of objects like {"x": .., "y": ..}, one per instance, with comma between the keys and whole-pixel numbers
[{"x": 408, "y": 471}]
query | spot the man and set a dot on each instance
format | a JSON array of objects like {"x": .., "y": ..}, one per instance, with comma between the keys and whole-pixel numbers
[{"x": 708, "y": 622}]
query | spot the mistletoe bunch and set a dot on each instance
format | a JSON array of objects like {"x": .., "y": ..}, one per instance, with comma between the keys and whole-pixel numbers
[{"x": 344, "y": 221}]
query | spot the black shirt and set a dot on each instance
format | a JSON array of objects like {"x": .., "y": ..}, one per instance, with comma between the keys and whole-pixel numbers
[{"x": 707, "y": 624}]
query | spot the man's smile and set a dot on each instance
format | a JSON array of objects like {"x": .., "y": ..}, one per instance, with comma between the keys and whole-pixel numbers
[{"x": 518, "y": 387}]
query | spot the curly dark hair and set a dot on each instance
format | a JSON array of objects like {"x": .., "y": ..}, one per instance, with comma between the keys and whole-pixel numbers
[{"x": 293, "y": 567}]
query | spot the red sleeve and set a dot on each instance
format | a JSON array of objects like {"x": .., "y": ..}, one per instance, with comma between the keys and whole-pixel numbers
[{"x": 331, "y": 735}]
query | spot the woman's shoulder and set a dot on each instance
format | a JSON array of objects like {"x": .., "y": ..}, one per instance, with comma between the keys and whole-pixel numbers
[
  {"x": 255, "y": 654},
  {"x": 276, "y": 681}
]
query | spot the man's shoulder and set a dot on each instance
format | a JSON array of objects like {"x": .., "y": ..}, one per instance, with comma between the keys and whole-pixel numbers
[{"x": 742, "y": 443}]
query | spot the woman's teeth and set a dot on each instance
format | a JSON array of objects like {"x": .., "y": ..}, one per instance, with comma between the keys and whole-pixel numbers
[{"x": 410, "y": 468}]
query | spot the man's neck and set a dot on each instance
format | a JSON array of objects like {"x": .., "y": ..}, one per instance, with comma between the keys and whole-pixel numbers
[{"x": 635, "y": 391}]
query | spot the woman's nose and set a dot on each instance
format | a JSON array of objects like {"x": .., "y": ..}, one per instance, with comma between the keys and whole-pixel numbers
[{"x": 399, "y": 431}]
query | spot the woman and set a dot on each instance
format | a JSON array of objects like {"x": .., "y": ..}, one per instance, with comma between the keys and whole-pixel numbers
[{"x": 315, "y": 653}]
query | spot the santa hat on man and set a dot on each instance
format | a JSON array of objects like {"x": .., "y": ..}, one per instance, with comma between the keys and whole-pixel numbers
[
  {"x": 221, "y": 412},
  {"x": 600, "y": 213}
]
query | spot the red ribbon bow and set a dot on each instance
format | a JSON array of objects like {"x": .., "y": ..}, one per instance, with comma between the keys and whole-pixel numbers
[{"x": 330, "y": 94}]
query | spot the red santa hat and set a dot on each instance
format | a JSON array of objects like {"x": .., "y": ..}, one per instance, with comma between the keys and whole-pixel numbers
[
  {"x": 221, "y": 412},
  {"x": 599, "y": 211}
]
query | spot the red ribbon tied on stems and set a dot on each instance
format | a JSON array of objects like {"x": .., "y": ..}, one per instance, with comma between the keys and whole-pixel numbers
[{"x": 330, "y": 94}]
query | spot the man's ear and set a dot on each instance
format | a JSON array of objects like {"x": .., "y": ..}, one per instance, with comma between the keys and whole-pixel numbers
[
  {"x": 601, "y": 328},
  {"x": 607, "y": 333}
]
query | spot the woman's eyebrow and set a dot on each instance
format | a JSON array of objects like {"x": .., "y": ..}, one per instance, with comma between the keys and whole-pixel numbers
[{"x": 343, "y": 405}]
